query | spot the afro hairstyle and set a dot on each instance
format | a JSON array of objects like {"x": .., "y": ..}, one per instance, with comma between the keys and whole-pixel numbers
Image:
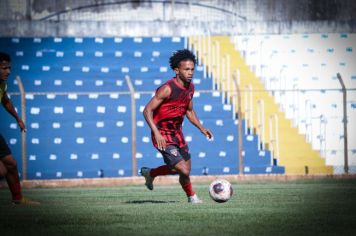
[{"x": 181, "y": 55}]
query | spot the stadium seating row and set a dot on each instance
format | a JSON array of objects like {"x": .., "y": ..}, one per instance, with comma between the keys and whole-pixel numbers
[
  {"x": 300, "y": 71},
  {"x": 79, "y": 116}
]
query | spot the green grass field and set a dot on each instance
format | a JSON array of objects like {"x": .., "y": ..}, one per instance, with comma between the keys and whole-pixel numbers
[{"x": 305, "y": 207}]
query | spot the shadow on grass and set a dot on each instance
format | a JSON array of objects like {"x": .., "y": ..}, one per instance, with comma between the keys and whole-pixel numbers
[{"x": 148, "y": 201}]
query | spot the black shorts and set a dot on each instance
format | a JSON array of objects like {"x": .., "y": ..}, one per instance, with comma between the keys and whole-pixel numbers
[
  {"x": 4, "y": 148},
  {"x": 173, "y": 154}
]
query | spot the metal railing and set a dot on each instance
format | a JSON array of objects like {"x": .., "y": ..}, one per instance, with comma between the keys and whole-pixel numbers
[
  {"x": 298, "y": 109},
  {"x": 344, "y": 120},
  {"x": 23, "y": 134},
  {"x": 237, "y": 102},
  {"x": 261, "y": 124},
  {"x": 273, "y": 139},
  {"x": 132, "y": 93},
  {"x": 133, "y": 127}
]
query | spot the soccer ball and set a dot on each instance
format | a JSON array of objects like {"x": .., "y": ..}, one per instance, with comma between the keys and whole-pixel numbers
[{"x": 220, "y": 190}]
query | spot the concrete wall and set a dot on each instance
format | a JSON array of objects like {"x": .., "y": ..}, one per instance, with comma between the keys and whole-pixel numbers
[
  {"x": 132, "y": 29},
  {"x": 162, "y": 18}
]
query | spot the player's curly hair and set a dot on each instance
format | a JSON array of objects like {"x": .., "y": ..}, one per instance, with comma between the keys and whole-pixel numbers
[
  {"x": 4, "y": 57},
  {"x": 181, "y": 55}
]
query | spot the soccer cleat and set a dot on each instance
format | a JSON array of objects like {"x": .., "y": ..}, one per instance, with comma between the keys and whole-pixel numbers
[
  {"x": 145, "y": 172},
  {"x": 25, "y": 201},
  {"x": 194, "y": 199}
]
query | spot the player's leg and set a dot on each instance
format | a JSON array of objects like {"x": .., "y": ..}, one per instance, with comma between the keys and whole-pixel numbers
[
  {"x": 11, "y": 174},
  {"x": 3, "y": 170},
  {"x": 183, "y": 168},
  {"x": 145, "y": 172},
  {"x": 162, "y": 170},
  {"x": 4, "y": 151},
  {"x": 13, "y": 181},
  {"x": 150, "y": 174},
  {"x": 8, "y": 169},
  {"x": 12, "y": 177}
]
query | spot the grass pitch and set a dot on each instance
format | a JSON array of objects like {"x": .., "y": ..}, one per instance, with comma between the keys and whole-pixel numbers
[{"x": 307, "y": 207}]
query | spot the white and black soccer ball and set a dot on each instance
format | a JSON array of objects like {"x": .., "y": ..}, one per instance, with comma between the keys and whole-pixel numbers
[{"x": 220, "y": 190}]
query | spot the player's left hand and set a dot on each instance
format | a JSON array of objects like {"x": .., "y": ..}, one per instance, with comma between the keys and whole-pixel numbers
[{"x": 207, "y": 133}]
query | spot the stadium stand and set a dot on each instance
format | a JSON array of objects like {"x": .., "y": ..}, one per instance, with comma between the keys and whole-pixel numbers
[
  {"x": 304, "y": 67},
  {"x": 292, "y": 151},
  {"x": 78, "y": 108}
]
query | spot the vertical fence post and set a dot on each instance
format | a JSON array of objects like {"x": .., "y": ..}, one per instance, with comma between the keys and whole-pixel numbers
[
  {"x": 217, "y": 76},
  {"x": 223, "y": 80},
  {"x": 213, "y": 63},
  {"x": 228, "y": 74},
  {"x": 308, "y": 120},
  {"x": 322, "y": 135},
  {"x": 248, "y": 110},
  {"x": 133, "y": 125},
  {"x": 23, "y": 134},
  {"x": 261, "y": 124},
  {"x": 344, "y": 120},
  {"x": 209, "y": 63},
  {"x": 274, "y": 139},
  {"x": 239, "y": 116}
]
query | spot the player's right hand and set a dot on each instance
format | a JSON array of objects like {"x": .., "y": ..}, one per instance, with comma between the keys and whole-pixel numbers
[
  {"x": 22, "y": 125},
  {"x": 161, "y": 142}
]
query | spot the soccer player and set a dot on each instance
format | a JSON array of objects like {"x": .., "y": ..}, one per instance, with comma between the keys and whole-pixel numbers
[
  {"x": 164, "y": 114},
  {"x": 8, "y": 165}
]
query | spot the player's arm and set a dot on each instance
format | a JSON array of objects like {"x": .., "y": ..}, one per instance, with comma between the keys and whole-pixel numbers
[
  {"x": 193, "y": 118},
  {"x": 9, "y": 107},
  {"x": 152, "y": 105}
]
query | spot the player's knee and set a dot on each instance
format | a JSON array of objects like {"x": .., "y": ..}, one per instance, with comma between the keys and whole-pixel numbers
[
  {"x": 185, "y": 172},
  {"x": 183, "y": 168}
]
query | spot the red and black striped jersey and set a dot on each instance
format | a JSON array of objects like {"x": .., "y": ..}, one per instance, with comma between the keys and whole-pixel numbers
[{"x": 169, "y": 116}]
